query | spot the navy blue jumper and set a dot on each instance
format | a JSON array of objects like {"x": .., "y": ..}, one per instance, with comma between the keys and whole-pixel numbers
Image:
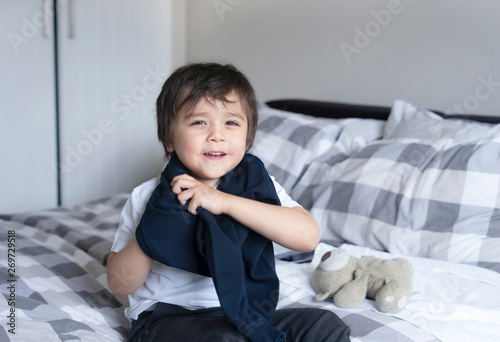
[{"x": 240, "y": 261}]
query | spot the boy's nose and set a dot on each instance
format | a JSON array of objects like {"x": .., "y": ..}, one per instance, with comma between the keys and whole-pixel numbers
[{"x": 216, "y": 135}]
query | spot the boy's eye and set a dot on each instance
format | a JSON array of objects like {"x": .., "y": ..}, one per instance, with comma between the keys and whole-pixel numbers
[
  {"x": 232, "y": 123},
  {"x": 198, "y": 122}
]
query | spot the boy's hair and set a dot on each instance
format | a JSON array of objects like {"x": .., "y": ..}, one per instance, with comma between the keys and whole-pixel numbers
[{"x": 189, "y": 84}]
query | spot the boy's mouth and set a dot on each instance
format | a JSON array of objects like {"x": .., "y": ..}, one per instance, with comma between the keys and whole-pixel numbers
[{"x": 214, "y": 154}]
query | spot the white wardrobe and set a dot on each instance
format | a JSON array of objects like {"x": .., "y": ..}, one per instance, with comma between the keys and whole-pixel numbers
[{"x": 77, "y": 113}]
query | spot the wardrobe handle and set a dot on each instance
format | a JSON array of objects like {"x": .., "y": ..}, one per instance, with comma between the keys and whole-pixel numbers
[
  {"x": 46, "y": 17},
  {"x": 71, "y": 20}
]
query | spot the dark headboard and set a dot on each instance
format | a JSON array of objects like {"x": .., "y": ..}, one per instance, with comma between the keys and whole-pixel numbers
[{"x": 342, "y": 110}]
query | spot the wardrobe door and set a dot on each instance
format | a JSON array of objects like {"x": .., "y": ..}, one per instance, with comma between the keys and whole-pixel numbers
[
  {"x": 28, "y": 177},
  {"x": 114, "y": 57}
]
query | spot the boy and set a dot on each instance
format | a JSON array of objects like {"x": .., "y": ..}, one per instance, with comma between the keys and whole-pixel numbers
[{"x": 207, "y": 118}]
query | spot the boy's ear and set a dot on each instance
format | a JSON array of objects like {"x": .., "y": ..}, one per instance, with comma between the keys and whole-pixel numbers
[{"x": 170, "y": 147}]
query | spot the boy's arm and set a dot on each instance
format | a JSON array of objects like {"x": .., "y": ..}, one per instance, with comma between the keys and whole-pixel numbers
[
  {"x": 293, "y": 228},
  {"x": 128, "y": 269}
]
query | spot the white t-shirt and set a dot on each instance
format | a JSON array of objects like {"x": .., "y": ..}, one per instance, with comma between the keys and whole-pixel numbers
[{"x": 167, "y": 284}]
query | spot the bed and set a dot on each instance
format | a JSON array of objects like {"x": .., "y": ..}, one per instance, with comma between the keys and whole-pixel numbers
[{"x": 399, "y": 181}]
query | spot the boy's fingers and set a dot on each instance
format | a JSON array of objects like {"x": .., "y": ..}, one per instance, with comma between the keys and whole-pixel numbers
[
  {"x": 192, "y": 208},
  {"x": 180, "y": 183},
  {"x": 184, "y": 196}
]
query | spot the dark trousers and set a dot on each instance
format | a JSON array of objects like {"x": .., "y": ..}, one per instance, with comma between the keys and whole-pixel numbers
[{"x": 173, "y": 323}]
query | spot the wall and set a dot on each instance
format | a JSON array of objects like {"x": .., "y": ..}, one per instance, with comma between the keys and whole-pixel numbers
[
  {"x": 437, "y": 54},
  {"x": 113, "y": 57}
]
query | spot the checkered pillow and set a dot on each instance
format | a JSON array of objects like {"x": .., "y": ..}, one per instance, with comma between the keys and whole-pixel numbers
[
  {"x": 409, "y": 121},
  {"x": 289, "y": 142},
  {"x": 435, "y": 198}
]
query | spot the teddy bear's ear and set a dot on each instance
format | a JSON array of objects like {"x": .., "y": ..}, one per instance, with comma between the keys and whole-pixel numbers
[
  {"x": 326, "y": 256},
  {"x": 334, "y": 260}
]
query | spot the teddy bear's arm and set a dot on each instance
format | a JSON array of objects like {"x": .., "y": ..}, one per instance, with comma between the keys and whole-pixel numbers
[{"x": 353, "y": 292}]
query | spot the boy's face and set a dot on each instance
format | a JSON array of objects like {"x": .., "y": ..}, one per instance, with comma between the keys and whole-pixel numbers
[{"x": 210, "y": 139}]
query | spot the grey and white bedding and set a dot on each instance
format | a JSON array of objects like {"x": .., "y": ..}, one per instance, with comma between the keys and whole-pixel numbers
[
  {"x": 53, "y": 275},
  {"x": 415, "y": 186}
]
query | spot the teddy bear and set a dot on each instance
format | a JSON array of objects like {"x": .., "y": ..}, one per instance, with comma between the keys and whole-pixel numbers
[{"x": 348, "y": 280}]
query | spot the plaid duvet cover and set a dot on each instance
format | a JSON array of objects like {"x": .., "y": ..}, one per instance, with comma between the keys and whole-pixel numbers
[
  {"x": 53, "y": 275},
  {"x": 58, "y": 289}
]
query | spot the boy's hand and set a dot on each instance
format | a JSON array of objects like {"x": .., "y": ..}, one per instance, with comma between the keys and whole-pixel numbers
[
  {"x": 293, "y": 228},
  {"x": 201, "y": 195}
]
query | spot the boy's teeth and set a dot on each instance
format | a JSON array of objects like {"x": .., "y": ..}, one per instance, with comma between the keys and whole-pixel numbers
[{"x": 216, "y": 154}]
